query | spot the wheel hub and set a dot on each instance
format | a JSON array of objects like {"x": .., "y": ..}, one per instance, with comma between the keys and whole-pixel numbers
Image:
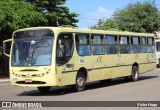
[
  {"x": 135, "y": 73},
  {"x": 80, "y": 81}
]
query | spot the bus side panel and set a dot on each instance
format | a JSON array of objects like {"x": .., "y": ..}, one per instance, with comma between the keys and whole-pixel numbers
[
  {"x": 112, "y": 68},
  {"x": 110, "y": 73},
  {"x": 148, "y": 64},
  {"x": 93, "y": 64},
  {"x": 126, "y": 64},
  {"x": 67, "y": 73},
  {"x": 126, "y": 70},
  {"x": 68, "y": 78},
  {"x": 146, "y": 67}
]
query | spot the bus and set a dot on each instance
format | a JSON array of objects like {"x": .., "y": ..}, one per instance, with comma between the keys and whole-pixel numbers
[
  {"x": 46, "y": 57},
  {"x": 157, "y": 41}
]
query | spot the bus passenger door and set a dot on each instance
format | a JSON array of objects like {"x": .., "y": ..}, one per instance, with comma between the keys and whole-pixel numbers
[{"x": 65, "y": 59}]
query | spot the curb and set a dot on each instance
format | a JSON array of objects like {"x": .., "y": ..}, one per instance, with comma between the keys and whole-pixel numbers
[{"x": 4, "y": 80}]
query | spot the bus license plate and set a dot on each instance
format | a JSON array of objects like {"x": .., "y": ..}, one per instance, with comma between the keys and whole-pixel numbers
[{"x": 28, "y": 80}]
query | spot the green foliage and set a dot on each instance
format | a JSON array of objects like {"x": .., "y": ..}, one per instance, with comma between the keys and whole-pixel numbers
[
  {"x": 138, "y": 17},
  {"x": 107, "y": 24},
  {"x": 1, "y": 49},
  {"x": 55, "y": 12},
  {"x": 15, "y": 14}
]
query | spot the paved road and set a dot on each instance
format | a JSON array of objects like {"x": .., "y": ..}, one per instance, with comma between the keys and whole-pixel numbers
[{"x": 146, "y": 89}]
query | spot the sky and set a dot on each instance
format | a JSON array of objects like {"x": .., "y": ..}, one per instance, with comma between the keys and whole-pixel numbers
[{"x": 90, "y": 11}]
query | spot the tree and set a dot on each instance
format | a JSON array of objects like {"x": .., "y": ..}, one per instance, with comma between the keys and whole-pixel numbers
[
  {"x": 138, "y": 17},
  {"x": 55, "y": 12},
  {"x": 107, "y": 24},
  {"x": 15, "y": 14}
]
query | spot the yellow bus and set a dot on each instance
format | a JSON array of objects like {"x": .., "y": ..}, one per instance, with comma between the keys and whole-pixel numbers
[
  {"x": 46, "y": 57},
  {"x": 157, "y": 42}
]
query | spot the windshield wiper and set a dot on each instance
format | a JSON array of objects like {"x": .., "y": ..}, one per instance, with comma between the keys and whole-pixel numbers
[{"x": 36, "y": 46}]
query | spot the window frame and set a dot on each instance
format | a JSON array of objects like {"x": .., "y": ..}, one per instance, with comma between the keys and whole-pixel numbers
[
  {"x": 139, "y": 44},
  {"x": 148, "y": 45},
  {"x": 116, "y": 44},
  {"x": 128, "y": 43},
  {"x": 89, "y": 38},
  {"x": 142, "y": 45},
  {"x": 102, "y": 43}
]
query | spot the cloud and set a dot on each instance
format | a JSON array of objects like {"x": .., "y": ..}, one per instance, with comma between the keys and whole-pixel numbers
[
  {"x": 92, "y": 18},
  {"x": 101, "y": 12}
]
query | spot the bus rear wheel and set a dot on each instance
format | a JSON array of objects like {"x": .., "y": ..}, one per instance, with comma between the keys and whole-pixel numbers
[
  {"x": 135, "y": 74},
  {"x": 80, "y": 82},
  {"x": 44, "y": 89}
]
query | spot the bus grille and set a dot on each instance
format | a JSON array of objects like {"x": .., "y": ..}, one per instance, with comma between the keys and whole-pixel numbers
[{"x": 33, "y": 82}]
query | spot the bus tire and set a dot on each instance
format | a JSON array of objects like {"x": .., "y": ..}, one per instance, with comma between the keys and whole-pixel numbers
[
  {"x": 44, "y": 89},
  {"x": 106, "y": 81},
  {"x": 134, "y": 74},
  {"x": 127, "y": 78},
  {"x": 80, "y": 82}
]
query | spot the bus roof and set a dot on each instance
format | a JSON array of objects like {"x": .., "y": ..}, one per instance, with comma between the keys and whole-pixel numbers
[{"x": 89, "y": 31}]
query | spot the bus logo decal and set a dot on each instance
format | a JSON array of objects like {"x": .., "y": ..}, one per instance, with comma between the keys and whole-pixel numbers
[
  {"x": 99, "y": 59},
  {"x": 136, "y": 57},
  {"x": 81, "y": 61}
]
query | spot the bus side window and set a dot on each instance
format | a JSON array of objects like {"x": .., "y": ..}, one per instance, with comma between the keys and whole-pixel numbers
[
  {"x": 97, "y": 45},
  {"x": 136, "y": 47},
  {"x": 83, "y": 44},
  {"x": 111, "y": 44},
  {"x": 124, "y": 45},
  {"x": 150, "y": 45},
  {"x": 144, "y": 45},
  {"x": 64, "y": 50}
]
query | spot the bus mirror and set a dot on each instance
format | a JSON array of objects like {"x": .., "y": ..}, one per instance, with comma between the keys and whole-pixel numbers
[{"x": 7, "y": 47}]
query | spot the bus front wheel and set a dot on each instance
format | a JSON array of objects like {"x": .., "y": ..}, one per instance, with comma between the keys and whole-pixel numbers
[
  {"x": 80, "y": 82},
  {"x": 44, "y": 89},
  {"x": 135, "y": 74}
]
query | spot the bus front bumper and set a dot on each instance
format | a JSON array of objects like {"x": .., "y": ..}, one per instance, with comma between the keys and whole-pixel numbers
[{"x": 47, "y": 80}]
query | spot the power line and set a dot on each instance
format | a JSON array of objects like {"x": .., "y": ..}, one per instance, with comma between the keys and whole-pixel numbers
[
  {"x": 89, "y": 18},
  {"x": 87, "y": 15}
]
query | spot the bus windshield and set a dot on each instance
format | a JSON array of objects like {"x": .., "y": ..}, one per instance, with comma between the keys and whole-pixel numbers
[{"x": 32, "y": 48}]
